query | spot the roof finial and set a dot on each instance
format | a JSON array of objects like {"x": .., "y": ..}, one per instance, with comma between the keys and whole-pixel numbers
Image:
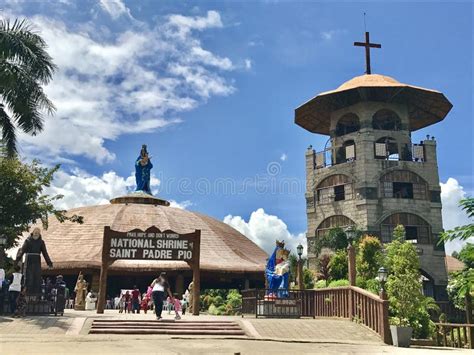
[{"x": 367, "y": 46}]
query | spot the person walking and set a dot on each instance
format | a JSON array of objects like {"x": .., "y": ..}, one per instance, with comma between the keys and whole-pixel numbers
[
  {"x": 15, "y": 288},
  {"x": 135, "y": 300},
  {"x": 160, "y": 288}
]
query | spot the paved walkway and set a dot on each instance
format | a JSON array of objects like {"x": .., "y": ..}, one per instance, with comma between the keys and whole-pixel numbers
[{"x": 69, "y": 335}]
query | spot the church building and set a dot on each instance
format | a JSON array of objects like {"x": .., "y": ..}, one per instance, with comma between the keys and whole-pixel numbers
[{"x": 370, "y": 174}]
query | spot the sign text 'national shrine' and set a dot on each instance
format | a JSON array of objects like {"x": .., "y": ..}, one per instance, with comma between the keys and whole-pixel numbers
[{"x": 150, "y": 246}]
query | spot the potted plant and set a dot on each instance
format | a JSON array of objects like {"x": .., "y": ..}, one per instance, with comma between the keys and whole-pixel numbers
[{"x": 403, "y": 287}]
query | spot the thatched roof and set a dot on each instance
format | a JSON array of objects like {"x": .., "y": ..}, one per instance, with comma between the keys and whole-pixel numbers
[
  {"x": 425, "y": 106},
  {"x": 79, "y": 246}
]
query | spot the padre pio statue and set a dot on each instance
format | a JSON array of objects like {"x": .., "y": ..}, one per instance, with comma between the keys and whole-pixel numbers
[
  {"x": 81, "y": 291},
  {"x": 32, "y": 249},
  {"x": 143, "y": 167}
]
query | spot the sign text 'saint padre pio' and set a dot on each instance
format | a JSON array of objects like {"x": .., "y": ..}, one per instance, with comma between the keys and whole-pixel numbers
[{"x": 151, "y": 246}]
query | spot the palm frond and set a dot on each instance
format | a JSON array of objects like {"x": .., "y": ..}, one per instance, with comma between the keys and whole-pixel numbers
[
  {"x": 8, "y": 133},
  {"x": 20, "y": 43}
]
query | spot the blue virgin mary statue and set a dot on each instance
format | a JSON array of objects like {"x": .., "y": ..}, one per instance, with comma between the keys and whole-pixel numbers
[{"x": 143, "y": 166}]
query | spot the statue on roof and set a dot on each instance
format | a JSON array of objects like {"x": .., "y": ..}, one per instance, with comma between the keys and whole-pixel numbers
[
  {"x": 277, "y": 272},
  {"x": 143, "y": 167}
]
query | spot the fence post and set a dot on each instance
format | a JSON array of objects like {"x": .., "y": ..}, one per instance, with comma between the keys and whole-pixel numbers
[
  {"x": 384, "y": 323},
  {"x": 352, "y": 278},
  {"x": 469, "y": 319}
]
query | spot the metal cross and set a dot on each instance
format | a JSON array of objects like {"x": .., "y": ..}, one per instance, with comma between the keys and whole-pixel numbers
[{"x": 367, "y": 46}]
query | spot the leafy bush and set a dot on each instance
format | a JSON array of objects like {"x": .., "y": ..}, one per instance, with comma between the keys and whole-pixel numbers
[
  {"x": 338, "y": 265},
  {"x": 320, "y": 284},
  {"x": 308, "y": 279},
  {"x": 339, "y": 283},
  {"x": 220, "y": 301},
  {"x": 369, "y": 257}
]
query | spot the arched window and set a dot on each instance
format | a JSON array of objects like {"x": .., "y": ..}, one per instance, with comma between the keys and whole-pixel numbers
[
  {"x": 333, "y": 222},
  {"x": 334, "y": 188},
  {"x": 346, "y": 152},
  {"x": 347, "y": 124},
  {"x": 417, "y": 229},
  {"x": 403, "y": 184},
  {"x": 387, "y": 120},
  {"x": 386, "y": 148}
]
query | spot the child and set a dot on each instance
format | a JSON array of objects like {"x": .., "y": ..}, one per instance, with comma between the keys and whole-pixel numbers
[
  {"x": 144, "y": 304},
  {"x": 21, "y": 303},
  {"x": 177, "y": 307},
  {"x": 121, "y": 304}
]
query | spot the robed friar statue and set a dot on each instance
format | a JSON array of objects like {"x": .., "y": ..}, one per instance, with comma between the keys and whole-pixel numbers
[
  {"x": 32, "y": 249},
  {"x": 143, "y": 167}
]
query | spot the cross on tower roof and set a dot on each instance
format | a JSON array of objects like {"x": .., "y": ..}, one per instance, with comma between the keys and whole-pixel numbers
[{"x": 367, "y": 46}]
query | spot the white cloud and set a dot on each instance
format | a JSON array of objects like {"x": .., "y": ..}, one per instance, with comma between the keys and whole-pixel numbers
[
  {"x": 248, "y": 64},
  {"x": 264, "y": 229},
  {"x": 82, "y": 189},
  {"x": 115, "y": 8},
  {"x": 129, "y": 82},
  {"x": 453, "y": 215},
  {"x": 283, "y": 157},
  {"x": 183, "y": 205},
  {"x": 330, "y": 34}
]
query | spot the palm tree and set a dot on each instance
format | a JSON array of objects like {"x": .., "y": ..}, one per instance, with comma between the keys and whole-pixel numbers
[{"x": 24, "y": 67}]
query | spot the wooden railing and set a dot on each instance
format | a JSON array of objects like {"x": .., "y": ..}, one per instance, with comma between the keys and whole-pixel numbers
[
  {"x": 455, "y": 335},
  {"x": 349, "y": 302},
  {"x": 355, "y": 304}
]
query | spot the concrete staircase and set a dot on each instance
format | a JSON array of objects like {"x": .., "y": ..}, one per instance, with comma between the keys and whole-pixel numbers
[{"x": 167, "y": 327}]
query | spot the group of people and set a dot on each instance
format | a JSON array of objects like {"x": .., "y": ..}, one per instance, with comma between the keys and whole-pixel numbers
[
  {"x": 14, "y": 292},
  {"x": 157, "y": 297}
]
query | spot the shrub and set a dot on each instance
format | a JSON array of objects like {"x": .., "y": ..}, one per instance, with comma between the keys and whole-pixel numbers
[
  {"x": 308, "y": 279},
  {"x": 339, "y": 283},
  {"x": 324, "y": 267},
  {"x": 320, "y": 284},
  {"x": 338, "y": 265},
  {"x": 369, "y": 257}
]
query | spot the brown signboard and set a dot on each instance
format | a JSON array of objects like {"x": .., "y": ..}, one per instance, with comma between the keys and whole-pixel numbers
[{"x": 151, "y": 244}]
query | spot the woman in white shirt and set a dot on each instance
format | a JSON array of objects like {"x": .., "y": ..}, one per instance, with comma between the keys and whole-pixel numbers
[
  {"x": 160, "y": 288},
  {"x": 14, "y": 289}
]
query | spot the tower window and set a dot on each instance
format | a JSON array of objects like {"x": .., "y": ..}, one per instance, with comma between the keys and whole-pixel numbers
[
  {"x": 417, "y": 230},
  {"x": 387, "y": 120},
  {"x": 339, "y": 193},
  {"x": 347, "y": 124},
  {"x": 402, "y": 190}
]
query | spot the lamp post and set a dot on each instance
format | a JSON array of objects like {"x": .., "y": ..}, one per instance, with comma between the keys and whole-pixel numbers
[
  {"x": 299, "y": 250},
  {"x": 350, "y": 235},
  {"x": 382, "y": 277}
]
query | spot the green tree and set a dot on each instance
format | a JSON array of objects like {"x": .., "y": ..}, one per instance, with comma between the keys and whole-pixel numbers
[
  {"x": 408, "y": 305},
  {"x": 24, "y": 67},
  {"x": 369, "y": 257},
  {"x": 462, "y": 232},
  {"x": 338, "y": 265},
  {"x": 461, "y": 282},
  {"x": 23, "y": 200}
]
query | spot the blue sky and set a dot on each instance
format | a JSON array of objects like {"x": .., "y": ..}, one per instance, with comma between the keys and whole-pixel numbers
[{"x": 211, "y": 87}]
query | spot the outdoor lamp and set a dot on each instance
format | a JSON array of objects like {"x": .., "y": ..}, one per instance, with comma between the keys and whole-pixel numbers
[
  {"x": 299, "y": 250},
  {"x": 383, "y": 274},
  {"x": 3, "y": 240},
  {"x": 350, "y": 234}
]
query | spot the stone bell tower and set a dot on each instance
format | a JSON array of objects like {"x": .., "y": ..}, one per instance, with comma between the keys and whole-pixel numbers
[{"x": 370, "y": 174}]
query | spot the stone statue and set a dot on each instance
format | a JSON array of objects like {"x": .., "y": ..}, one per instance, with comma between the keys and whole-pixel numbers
[
  {"x": 278, "y": 272},
  {"x": 190, "y": 298},
  {"x": 143, "y": 167},
  {"x": 32, "y": 248},
  {"x": 81, "y": 290}
]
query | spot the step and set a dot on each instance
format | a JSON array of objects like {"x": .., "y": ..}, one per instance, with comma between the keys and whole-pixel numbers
[{"x": 170, "y": 327}]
